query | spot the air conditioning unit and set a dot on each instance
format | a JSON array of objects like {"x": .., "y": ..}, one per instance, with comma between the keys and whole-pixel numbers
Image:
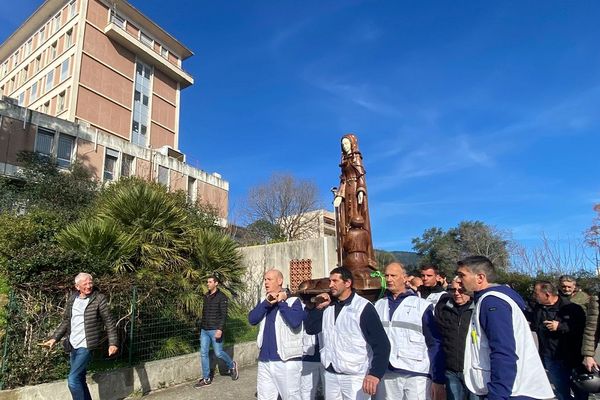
[{"x": 172, "y": 153}]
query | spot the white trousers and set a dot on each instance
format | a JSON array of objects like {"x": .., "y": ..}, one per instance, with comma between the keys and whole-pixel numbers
[
  {"x": 344, "y": 387},
  {"x": 278, "y": 378},
  {"x": 309, "y": 380},
  {"x": 403, "y": 387}
]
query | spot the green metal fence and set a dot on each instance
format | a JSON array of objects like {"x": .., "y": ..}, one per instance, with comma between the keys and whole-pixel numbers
[{"x": 152, "y": 324}]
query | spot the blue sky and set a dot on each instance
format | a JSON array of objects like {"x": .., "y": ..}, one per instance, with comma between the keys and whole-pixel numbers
[{"x": 464, "y": 110}]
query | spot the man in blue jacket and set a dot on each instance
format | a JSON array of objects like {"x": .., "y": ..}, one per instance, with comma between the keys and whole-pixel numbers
[
  {"x": 280, "y": 341},
  {"x": 501, "y": 360}
]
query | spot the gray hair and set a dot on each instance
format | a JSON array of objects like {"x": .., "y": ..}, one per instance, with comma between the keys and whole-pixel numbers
[{"x": 81, "y": 276}]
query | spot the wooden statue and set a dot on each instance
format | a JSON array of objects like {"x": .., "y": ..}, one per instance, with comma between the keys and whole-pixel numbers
[{"x": 352, "y": 203}]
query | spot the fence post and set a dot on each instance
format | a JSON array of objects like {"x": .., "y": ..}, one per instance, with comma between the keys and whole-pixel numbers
[
  {"x": 9, "y": 310},
  {"x": 132, "y": 328}
]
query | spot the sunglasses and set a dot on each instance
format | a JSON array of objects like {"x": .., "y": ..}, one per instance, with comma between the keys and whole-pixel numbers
[{"x": 459, "y": 290}]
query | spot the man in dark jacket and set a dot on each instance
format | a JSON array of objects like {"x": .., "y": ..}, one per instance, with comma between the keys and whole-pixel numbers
[
  {"x": 85, "y": 314},
  {"x": 432, "y": 289},
  {"x": 214, "y": 314},
  {"x": 453, "y": 318},
  {"x": 559, "y": 325}
]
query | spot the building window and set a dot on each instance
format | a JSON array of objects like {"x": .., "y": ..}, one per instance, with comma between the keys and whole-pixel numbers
[
  {"x": 45, "y": 107},
  {"x": 37, "y": 63},
  {"x": 60, "y": 105},
  {"x": 163, "y": 175},
  {"x": 192, "y": 192},
  {"x": 52, "y": 51},
  {"x": 28, "y": 47},
  {"x": 127, "y": 166},
  {"x": 64, "y": 70},
  {"x": 56, "y": 26},
  {"x": 68, "y": 38},
  {"x": 44, "y": 141},
  {"x": 42, "y": 38},
  {"x": 141, "y": 109},
  {"x": 147, "y": 40},
  {"x": 1, "y": 90},
  {"x": 110, "y": 164},
  {"x": 33, "y": 94},
  {"x": 21, "y": 98},
  {"x": 66, "y": 145},
  {"x": 25, "y": 73},
  {"x": 4, "y": 69},
  {"x": 117, "y": 19},
  {"x": 16, "y": 58},
  {"x": 49, "y": 80},
  {"x": 72, "y": 8},
  {"x": 164, "y": 52}
]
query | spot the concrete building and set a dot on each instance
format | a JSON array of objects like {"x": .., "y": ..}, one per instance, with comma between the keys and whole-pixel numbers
[{"x": 116, "y": 76}]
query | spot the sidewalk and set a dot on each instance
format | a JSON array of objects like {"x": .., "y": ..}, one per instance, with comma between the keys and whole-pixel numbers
[{"x": 222, "y": 388}]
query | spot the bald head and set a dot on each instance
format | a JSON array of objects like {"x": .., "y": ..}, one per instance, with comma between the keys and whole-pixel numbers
[
  {"x": 273, "y": 281},
  {"x": 395, "y": 278}
]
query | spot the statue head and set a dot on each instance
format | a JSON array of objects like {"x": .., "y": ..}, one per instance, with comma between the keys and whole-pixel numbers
[
  {"x": 349, "y": 144},
  {"x": 357, "y": 222}
]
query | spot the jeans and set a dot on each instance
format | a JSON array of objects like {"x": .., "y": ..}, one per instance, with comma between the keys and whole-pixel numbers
[
  {"x": 456, "y": 388},
  {"x": 559, "y": 374},
  {"x": 207, "y": 336},
  {"x": 80, "y": 358}
]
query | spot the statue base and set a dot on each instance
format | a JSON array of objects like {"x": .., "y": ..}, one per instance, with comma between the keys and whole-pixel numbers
[{"x": 365, "y": 285}]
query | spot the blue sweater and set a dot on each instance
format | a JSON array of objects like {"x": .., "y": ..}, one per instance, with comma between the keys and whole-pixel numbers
[
  {"x": 433, "y": 340},
  {"x": 291, "y": 315},
  {"x": 495, "y": 318}
]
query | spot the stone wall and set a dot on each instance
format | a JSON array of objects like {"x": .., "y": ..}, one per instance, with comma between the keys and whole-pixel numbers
[
  {"x": 123, "y": 382},
  {"x": 258, "y": 259}
]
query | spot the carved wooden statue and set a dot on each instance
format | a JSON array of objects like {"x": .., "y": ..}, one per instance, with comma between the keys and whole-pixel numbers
[{"x": 352, "y": 204}]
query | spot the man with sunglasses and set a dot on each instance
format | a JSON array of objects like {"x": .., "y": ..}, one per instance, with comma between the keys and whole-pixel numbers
[
  {"x": 453, "y": 317},
  {"x": 501, "y": 360}
]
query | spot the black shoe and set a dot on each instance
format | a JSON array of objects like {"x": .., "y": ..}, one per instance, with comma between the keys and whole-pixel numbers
[
  {"x": 202, "y": 383},
  {"x": 235, "y": 374}
]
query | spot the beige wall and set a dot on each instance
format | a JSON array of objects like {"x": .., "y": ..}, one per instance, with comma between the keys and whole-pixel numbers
[
  {"x": 178, "y": 181},
  {"x": 214, "y": 195},
  {"x": 13, "y": 139},
  {"x": 101, "y": 47},
  {"x": 163, "y": 113},
  {"x": 103, "y": 113},
  {"x": 106, "y": 81},
  {"x": 160, "y": 136},
  {"x": 164, "y": 86},
  {"x": 97, "y": 13},
  {"x": 143, "y": 169},
  {"x": 91, "y": 156}
]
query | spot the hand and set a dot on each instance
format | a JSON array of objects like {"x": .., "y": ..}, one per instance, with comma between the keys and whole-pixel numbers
[
  {"x": 438, "y": 391},
  {"x": 282, "y": 296},
  {"x": 552, "y": 326},
  {"x": 326, "y": 301},
  {"x": 48, "y": 343},
  {"x": 218, "y": 334},
  {"x": 272, "y": 298},
  {"x": 360, "y": 196},
  {"x": 337, "y": 201},
  {"x": 370, "y": 384},
  {"x": 590, "y": 364},
  {"x": 112, "y": 350}
]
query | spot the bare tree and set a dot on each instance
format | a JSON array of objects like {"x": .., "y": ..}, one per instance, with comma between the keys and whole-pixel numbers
[
  {"x": 286, "y": 202},
  {"x": 554, "y": 256}
]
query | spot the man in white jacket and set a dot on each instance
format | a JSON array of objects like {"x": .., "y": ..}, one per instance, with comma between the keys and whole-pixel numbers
[
  {"x": 280, "y": 341},
  {"x": 501, "y": 359}
]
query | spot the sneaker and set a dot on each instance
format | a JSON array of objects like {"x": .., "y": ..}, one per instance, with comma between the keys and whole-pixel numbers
[
  {"x": 202, "y": 382},
  {"x": 235, "y": 374}
]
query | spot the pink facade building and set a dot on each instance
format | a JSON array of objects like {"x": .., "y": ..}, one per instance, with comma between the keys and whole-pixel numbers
[{"x": 98, "y": 82}]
